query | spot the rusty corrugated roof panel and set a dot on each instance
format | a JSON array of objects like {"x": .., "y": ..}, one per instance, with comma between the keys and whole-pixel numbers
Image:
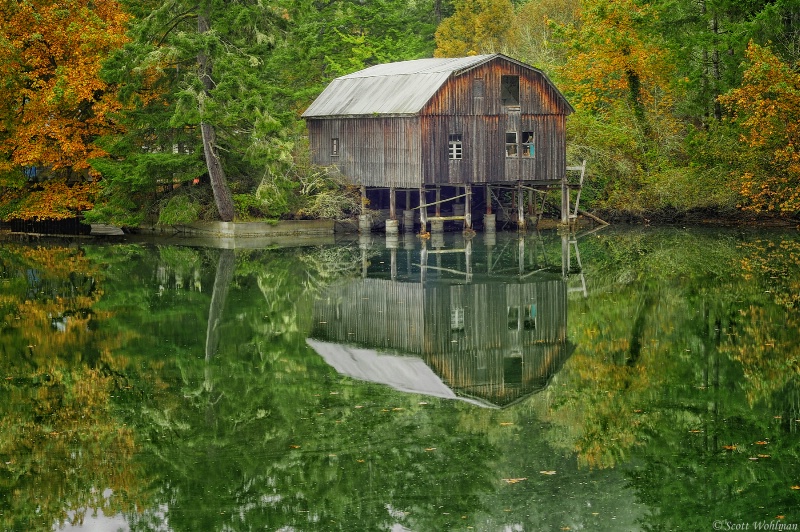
[{"x": 401, "y": 88}]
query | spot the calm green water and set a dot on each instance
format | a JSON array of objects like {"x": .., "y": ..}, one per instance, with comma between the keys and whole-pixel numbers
[{"x": 627, "y": 379}]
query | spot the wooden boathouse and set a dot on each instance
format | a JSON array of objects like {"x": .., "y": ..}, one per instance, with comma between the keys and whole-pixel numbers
[
  {"x": 488, "y": 341},
  {"x": 490, "y": 336},
  {"x": 469, "y": 132}
]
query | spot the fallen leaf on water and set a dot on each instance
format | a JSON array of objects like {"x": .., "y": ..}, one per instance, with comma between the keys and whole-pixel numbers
[
  {"x": 761, "y": 442},
  {"x": 796, "y": 487},
  {"x": 294, "y": 446},
  {"x": 505, "y": 423},
  {"x": 397, "y": 409},
  {"x": 547, "y": 472},
  {"x": 695, "y": 431},
  {"x": 429, "y": 449},
  {"x": 763, "y": 456},
  {"x": 779, "y": 516},
  {"x": 753, "y": 458},
  {"x": 514, "y": 480},
  {"x": 360, "y": 461},
  {"x": 729, "y": 447}
]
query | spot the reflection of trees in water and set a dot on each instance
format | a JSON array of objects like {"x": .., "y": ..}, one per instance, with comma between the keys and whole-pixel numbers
[
  {"x": 61, "y": 449},
  {"x": 297, "y": 276},
  {"x": 704, "y": 410},
  {"x": 276, "y": 440}
]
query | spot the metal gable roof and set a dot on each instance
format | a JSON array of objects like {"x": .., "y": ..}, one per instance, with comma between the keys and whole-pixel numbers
[{"x": 401, "y": 88}]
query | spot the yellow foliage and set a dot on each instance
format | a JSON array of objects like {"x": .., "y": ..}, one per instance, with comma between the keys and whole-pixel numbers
[
  {"x": 612, "y": 59},
  {"x": 767, "y": 106},
  {"x": 477, "y": 26}
]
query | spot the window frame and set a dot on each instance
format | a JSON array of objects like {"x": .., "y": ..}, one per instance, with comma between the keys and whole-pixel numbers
[
  {"x": 512, "y": 148},
  {"x": 335, "y": 146},
  {"x": 529, "y": 144},
  {"x": 455, "y": 147},
  {"x": 509, "y": 91}
]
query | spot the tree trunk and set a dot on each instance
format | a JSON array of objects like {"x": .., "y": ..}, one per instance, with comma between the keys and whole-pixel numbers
[
  {"x": 226, "y": 267},
  {"x": 219, "y": 184}
]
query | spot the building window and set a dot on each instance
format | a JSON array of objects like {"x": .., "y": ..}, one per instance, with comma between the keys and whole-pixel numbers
[
  {"x": 509, "y": 90},
  {"x": 529, "y": 315},
  {"x": 457, "y": 319},
  {"x": 455, "y": 147},
  {"x": 334, "y": 147},
  {"x": 511, "y": 144},
  {"x": 513, "y": 318},
  {"x": 512, "y": 370},
  {"x": 528, "y": 144}
]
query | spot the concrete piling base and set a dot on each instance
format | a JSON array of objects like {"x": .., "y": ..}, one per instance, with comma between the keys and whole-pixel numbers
[
  {"x": 489, "y": 223},
  {"x": 364, "y": 223},
  {"x": 392, "y": 227},
  {"x": 408, "y": 221}
]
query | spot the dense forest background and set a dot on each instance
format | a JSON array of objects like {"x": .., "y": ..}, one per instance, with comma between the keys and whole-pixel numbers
[{"x": 177, "y": 111}]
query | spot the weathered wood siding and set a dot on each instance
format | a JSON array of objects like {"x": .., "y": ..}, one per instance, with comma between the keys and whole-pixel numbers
[
  {"x": 375, "y": 152},
  {"x": 416, "y": 319},
  {"x": 412, "y": 151},
  {"x": 472, "y": 353},
  {"x": 378, "y": 313},
  {"x": 474, "y": 109}
]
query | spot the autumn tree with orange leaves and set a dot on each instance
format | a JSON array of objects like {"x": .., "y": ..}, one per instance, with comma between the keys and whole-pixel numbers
[
  {"x": 613, "y": 58},
  {"x": 767, "y": 107},
  {"x": 53, "y": 104}
]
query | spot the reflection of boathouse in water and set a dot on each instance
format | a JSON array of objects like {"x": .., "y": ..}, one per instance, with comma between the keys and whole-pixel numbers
[{"x": 491, "y": 340}]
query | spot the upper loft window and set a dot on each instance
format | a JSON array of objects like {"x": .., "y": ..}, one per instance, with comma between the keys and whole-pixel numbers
[
  {"x": 455, "y": 147},
  {"x": 334, "y": 147},
  {"x": 509, "y": 90}
]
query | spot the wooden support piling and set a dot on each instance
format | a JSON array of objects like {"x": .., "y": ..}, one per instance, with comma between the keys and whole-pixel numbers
[
  {"x": 363, "y": 200},
  {"x": 468, "y": 208},
  {"x": 423, "y": 211}
]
